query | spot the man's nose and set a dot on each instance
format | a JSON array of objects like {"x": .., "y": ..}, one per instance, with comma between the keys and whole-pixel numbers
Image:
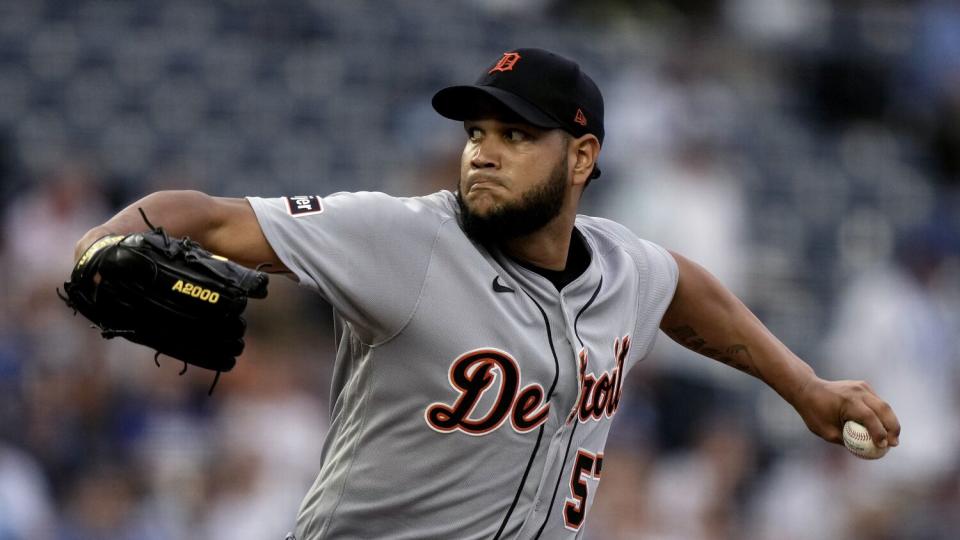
[{"x": 486, "y": 155}]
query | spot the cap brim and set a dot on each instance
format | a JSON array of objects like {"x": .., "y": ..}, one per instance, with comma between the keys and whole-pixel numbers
[{"x": 462, "y": 103}]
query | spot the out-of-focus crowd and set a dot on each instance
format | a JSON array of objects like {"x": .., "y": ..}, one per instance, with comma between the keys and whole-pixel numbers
[{"x": 807, "y": 152}]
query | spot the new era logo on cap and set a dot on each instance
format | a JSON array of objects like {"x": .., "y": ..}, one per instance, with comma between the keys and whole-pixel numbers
[{"x": 580, "y": 118}]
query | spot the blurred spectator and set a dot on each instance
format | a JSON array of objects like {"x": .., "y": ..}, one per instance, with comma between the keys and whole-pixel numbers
[
  {"x": 696, "y": 494},
  {"x": 946, "y": 134},
  {"x": 44, "y": 223},
  {"x": 106, "y": 502},
  {"x": 6, "y": 178},
  {"x": 26, "y": 509},
  {"x": 805, "y": 496},
  {"x": 691, "y": 204},
  {"x": 896, "y": 328},
  {"x": 270, "y": 427},
  {"x": 622, "y": 509},
  {"x": 778, "y": 22},
  {"x": 932, "y": 96},
  {"x": 934, "y": 62},
  {"x": 267, "y": 451}
]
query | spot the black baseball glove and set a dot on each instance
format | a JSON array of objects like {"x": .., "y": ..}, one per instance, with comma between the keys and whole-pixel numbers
[{"x": 168, "y": 294}]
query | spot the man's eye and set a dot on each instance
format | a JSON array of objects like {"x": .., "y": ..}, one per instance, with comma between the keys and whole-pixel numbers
[
  {"x": 515, "y": 135},
  {"x": 473, "y": 134}
]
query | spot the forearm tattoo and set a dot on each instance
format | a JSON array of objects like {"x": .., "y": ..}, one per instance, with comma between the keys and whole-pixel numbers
[{"x": 736, "y": 356}]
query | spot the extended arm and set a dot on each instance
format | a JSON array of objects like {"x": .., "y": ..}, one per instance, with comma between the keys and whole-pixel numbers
[
  {"x": 227, "y": 227},
  {"x": 707, "y": 318}
]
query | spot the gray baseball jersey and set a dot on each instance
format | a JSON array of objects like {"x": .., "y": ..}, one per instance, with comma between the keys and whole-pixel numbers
[{"x": 471, "y": 399}]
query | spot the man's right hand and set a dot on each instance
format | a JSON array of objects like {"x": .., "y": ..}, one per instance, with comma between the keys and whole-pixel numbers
[{"x": 825, "y": 406}]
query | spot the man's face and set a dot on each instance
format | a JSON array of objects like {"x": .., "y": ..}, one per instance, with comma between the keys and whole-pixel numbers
[{"x": 514, "y": 177}]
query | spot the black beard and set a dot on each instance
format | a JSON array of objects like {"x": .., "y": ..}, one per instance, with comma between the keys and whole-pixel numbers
[{"x": 507, "y": 221}]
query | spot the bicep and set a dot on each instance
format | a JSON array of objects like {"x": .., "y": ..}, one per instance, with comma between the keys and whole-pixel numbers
[
  {"x": 236, "y": 234},
  {"x": 699, "y": 295}
]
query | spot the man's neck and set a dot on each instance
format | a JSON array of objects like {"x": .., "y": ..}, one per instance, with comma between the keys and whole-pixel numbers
[{"x": 546, "y": 247}]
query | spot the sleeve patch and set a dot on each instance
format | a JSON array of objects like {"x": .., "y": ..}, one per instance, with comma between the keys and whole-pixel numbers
[{"x": 304, "y": 205}]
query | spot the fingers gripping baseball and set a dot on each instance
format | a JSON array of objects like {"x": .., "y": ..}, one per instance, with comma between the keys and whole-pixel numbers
[
  {"x": 827, "y": 405},
  {"x": 888, "y": 419},
  {"x": 858, "y": 411}
]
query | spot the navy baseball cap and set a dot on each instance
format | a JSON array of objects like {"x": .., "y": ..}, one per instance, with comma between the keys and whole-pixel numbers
[{"x": 545, "y": 89}]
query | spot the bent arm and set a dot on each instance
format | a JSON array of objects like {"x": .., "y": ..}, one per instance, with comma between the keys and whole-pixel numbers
[
  {"x": 224, "y": 226},
  {"x": 706, "y": 317}
]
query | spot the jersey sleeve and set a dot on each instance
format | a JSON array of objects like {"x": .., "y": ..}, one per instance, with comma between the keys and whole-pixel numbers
[
  {"x": 365, "y": 253},
  {"x": 659, "y": 274}
]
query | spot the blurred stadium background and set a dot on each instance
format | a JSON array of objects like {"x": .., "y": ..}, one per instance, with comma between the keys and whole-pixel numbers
[{"x": 806, "y": 151}]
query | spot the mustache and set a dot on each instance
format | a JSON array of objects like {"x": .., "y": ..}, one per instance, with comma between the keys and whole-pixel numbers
[{"x": 476, "y": 178}]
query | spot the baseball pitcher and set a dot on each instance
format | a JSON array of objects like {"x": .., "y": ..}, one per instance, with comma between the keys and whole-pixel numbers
[{"x": 484, "y": 333}]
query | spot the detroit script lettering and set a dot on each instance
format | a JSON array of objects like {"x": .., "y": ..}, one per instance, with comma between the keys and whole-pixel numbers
[{"x": 472, "y": 375}]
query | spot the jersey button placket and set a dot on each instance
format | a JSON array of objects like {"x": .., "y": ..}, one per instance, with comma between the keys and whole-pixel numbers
[
  {"x": 573, "y": 359},
  {"x": 569, "y": 330}
]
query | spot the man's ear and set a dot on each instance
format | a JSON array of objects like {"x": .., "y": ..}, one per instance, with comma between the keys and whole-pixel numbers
[{"x": 585, "y": 150}]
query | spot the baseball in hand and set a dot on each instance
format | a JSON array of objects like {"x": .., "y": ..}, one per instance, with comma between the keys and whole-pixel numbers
[{"x": 857, "y": 439}]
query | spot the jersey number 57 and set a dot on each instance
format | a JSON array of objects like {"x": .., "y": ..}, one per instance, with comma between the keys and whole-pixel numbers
[{"x": 587, "y": 464}]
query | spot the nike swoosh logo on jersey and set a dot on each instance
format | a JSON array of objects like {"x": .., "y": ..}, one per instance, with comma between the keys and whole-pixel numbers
[{"x": 500, "y": 287}]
